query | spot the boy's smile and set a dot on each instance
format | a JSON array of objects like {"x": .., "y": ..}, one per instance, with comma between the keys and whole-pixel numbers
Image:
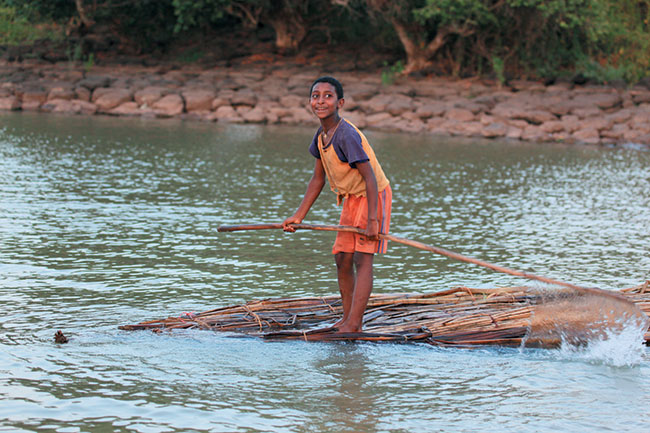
[{"x": 324, "y": 102}]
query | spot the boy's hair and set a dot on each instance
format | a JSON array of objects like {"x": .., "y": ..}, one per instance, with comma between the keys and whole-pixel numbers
[{"x": 331, "y": 80}]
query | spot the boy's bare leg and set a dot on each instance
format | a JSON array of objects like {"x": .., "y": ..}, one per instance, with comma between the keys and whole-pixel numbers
[
  {"x": 353, "y": 322},
  {"x": 345, "y": 273}
]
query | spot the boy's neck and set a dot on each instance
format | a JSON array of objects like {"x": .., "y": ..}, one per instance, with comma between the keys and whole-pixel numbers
[{"x": 330, "y": 122}]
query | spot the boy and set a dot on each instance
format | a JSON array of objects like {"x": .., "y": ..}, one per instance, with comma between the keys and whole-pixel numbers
[{"x": 344, "y": 156}]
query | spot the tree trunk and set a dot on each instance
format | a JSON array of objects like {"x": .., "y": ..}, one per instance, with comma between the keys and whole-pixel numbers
[
  {"x": 419, "y": 55},
  {"x": 248, "y": 13},
  {"x": 290, "y": 30},
  {"x": 83, "y": 14}
]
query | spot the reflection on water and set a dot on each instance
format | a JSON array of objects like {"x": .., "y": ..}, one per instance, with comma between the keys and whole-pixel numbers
[
  {"x": 110, "y": 221},
  {"x": 352, "y": 402}
]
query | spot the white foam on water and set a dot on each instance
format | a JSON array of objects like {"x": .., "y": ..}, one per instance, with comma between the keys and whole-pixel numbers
[{"x": 621, "y": 347}]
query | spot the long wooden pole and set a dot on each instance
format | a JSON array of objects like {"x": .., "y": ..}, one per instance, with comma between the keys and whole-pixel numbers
[{"x": 422, "y": 246}]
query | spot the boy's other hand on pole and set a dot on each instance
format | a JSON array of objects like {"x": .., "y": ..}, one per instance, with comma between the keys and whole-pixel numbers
[
  {"x": 372, "y": 230},
  {"x": 286, "y": 225}
]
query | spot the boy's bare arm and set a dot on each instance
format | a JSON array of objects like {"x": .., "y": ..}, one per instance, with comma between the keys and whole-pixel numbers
[
  {"x": 372, "y": 193},
  {"x": 314, "y": 189}
]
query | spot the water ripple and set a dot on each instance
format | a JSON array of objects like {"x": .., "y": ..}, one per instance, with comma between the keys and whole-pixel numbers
[{"x": 110, "y": 221}]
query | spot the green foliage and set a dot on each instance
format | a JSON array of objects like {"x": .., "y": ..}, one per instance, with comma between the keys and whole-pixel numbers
[
  {"x": 198, "y": 13},
  {"x": 40, "y": 11},
  {"x": 454, "y": 12},
  {"x": 390, "y": 73},
  {"x": 78, "y": 53},
  {"x": 147, "y": 24},
  {"x": 15, "y": 29},
  {"x": 74, "y": 52},
  {"x": 89, "y": 63},
  {"x": 622, "y": 50},
  {"x": 499, "y": 69},
  {"x": 604, "y": 40},
  {"x": 556, "y": 33},
  {"x": 191, "y": 55},
  {"x": 353, "y": 24}
]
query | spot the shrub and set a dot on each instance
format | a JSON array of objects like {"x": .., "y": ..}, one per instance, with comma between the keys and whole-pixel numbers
[{"x": 17, "y": 30}]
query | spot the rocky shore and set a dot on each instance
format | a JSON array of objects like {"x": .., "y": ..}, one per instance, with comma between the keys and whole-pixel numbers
[{"x": 277, "y": 94}]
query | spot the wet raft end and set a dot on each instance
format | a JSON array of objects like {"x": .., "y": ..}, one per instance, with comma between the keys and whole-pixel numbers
[{"x": 511, "y": 316}]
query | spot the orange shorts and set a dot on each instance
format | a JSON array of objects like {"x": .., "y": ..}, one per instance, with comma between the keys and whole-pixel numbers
[{"x": 355, "y": 213}]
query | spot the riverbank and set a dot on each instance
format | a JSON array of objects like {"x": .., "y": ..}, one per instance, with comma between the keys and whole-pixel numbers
[{"x": 260, "y": 90}]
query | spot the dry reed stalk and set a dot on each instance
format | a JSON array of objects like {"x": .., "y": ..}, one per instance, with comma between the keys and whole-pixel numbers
[{"x": 460, "y": 316}]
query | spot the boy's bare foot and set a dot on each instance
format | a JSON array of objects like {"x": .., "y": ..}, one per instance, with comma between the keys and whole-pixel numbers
[
  {"x": 323, "y": 330},
  {"x": 347, "y": 328}
]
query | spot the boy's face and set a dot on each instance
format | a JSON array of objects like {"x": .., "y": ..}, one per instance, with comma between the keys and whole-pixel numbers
[{"x": 324, "y": 102}]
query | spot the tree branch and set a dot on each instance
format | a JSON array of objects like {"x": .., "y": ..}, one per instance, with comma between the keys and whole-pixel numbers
[{"x": 81, "y": 10}]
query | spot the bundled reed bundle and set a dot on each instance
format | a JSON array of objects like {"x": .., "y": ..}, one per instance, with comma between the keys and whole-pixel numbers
[{"x": 462, "y": 316}]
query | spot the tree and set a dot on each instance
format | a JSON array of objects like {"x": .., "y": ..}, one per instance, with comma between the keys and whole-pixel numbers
[
  {"x": 425, "y": 26},
  {"x": 620, "y": 43},
  {"x": 288, "y": 18},
  {"x": 504, "y": 34}
]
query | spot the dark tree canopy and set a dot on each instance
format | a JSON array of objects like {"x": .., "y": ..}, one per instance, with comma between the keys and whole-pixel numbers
[{"x": 604, "y": 39}]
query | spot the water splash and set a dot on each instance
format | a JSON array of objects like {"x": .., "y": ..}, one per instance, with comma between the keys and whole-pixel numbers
[
  {"x": 595, "y": 326},
  {"x": 619, "y": 347}
]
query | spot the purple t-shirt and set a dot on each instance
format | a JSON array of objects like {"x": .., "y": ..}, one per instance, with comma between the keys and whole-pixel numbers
[{"x": 346, "y": 142}]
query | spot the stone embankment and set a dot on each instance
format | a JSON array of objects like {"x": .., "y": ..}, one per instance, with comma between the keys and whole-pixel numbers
[{"x": 523, "y": 110}]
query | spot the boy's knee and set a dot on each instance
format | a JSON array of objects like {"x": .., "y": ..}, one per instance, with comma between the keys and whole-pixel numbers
[
  {"x": 363, "y": 259},
  {"x": 344, "y": 261}
]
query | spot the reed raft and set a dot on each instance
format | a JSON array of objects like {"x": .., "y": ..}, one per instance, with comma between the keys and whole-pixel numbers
[{"x": 460, "y": 316}]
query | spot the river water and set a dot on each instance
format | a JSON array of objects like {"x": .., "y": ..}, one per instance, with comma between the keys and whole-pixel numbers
[{"x": 106, "y": 221}]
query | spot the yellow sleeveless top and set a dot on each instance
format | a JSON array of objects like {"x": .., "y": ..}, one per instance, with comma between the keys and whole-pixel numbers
[{"x": 343, "y": 179}]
